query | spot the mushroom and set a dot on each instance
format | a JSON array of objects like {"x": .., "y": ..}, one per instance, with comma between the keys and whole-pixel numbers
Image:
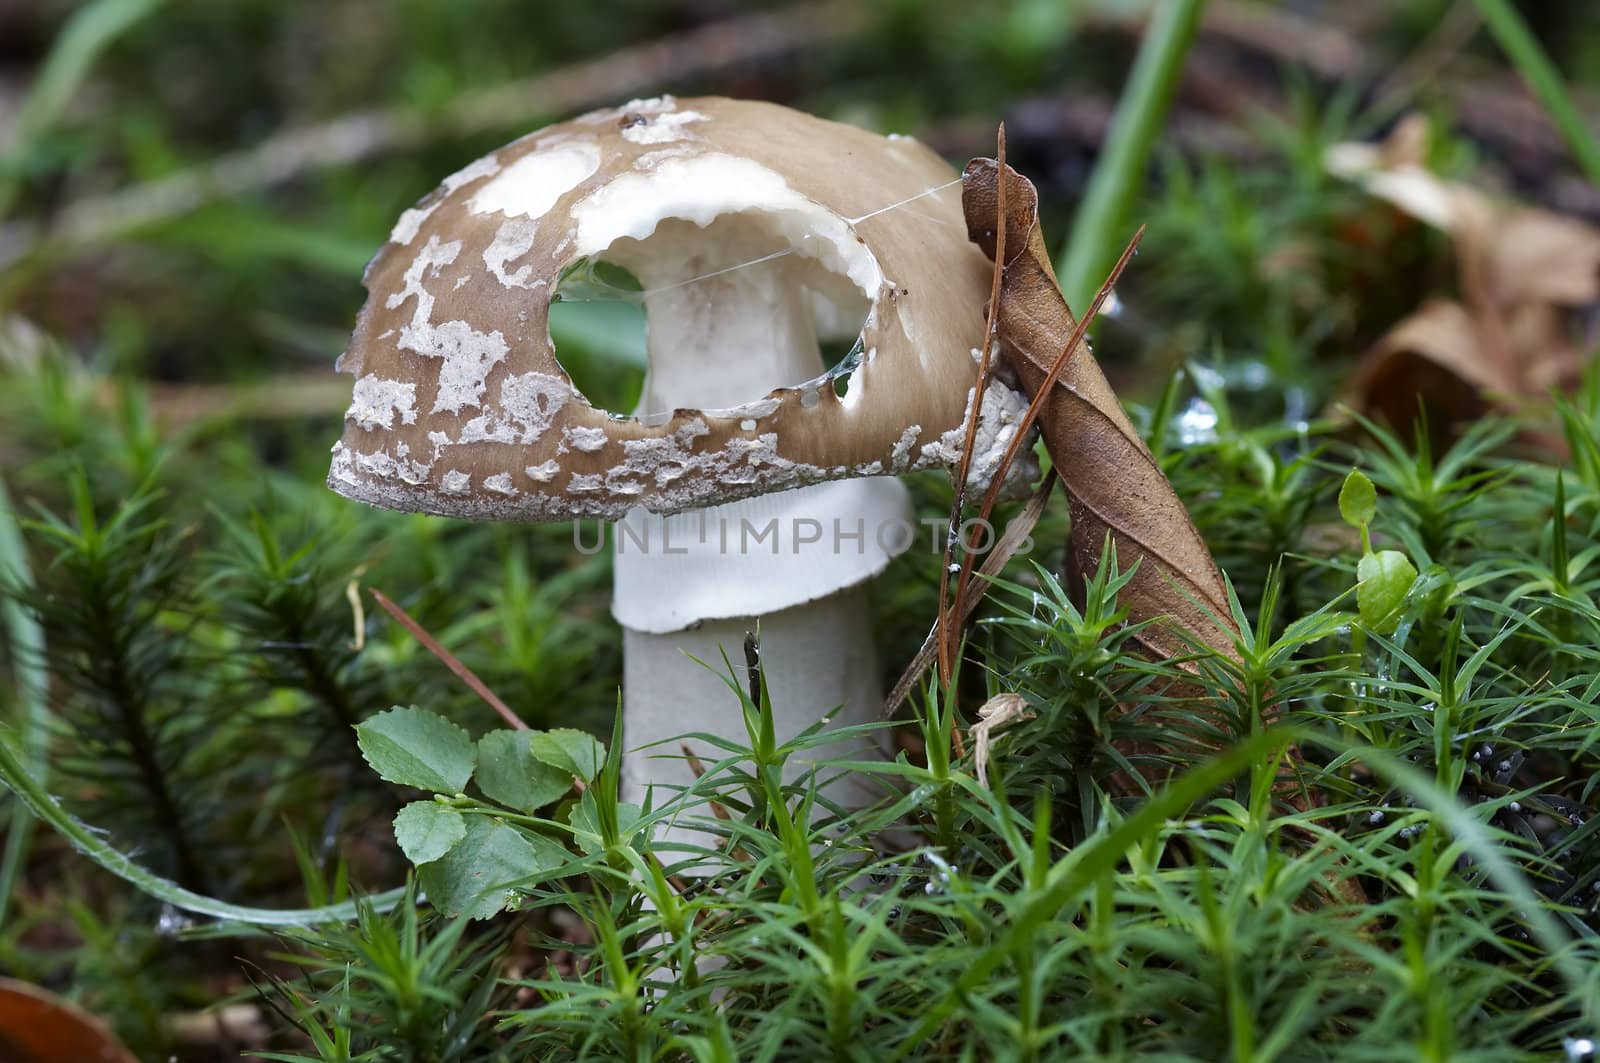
[{"x": 753, "y": 482}]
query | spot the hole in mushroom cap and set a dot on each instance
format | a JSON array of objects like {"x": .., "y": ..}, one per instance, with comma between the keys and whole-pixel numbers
[
  {"x": 730, "y": 311},
  {"x": 597, "y": 324}
]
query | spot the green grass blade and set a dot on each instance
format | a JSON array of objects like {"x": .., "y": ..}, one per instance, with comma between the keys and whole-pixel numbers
[
  {"x": 1545, "y": 80},
  {"x": 1075, "y": 872},
  {"x": 87, "y": 33},
  {"x": 1489, "y": 854},
  {"x": 26, "y": 645},
  {"x": 1098, "y": 234},
  {"x": 31, "y": 794}
]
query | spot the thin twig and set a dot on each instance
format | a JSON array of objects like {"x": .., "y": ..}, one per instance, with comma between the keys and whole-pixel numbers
[
  {"x": 945, "y": 620},
  {"x": 1010, "y": 541},
  {"x": 450, "y": 660},
  {"x": 1449, "y": 36},
  {"x": 698, "y": 768}
]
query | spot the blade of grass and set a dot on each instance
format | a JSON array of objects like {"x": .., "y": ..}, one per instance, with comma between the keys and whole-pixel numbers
[
  {"x": 1076, "y": 871},
  {"x": 26, "y": 645},
  {"x": 1545, "y": 81},
  {"x": 86, "y": 35},
  {"x": 1102, "y": 218},
  {"x": 87, "y": 841},
  {"x": 1489, "y": 854}
]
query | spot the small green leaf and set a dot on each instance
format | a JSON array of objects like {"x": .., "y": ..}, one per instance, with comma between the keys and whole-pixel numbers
[
  {"x": 1358, "y": 499},
  {"x": 572, "y": 751},
  {"x": 1382, "y": 580},
  {"x": 426, "y": 830},
  {"x": 412, "y": 747},
  {"x": 585, "y": 821},
  {"x": 477, "y": 876},
  {"x": 509, "y": 773}
]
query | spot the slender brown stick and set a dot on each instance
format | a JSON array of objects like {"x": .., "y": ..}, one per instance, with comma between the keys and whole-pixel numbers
[
  {"x": 1032, "y": 414},
  {"x": 698, "y": 768},
  {"x": 450, "y": 660},
  {"x": 1010, "y": 541},
  {"x": 948, "y": 619}
]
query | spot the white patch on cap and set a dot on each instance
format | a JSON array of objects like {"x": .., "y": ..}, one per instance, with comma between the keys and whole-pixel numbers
[
  {"x": 1003, "y": 410},
  {"x": 530, "y": 186},
  {"x": 342, "y": 468},
  {"x": 900, "y": 455},
  {"x": 410, "y": 222},
  {"x": 528, "y": 403},
  {"x": 680, "y": 476},
  {"x": 532, "y": 401},
  {"x": 467, "y": 355},
  {"x": 543, "y": 473},
  {"x": 651, "y": 104},
  {"x": 405, "y": 228},
  {"x": 377, "y": 400},
  {"x": 456, "y": 482},
  {"x": 661, "y": 128},
  {"x": 587, "y": 440},
  {"x": 511, "y": 241},
  {"x": 700, "y": 188},
  {"x": 500, "y": 483},
  {"x": 383, "y": 466},
  {"x": 487, "y": 166}
]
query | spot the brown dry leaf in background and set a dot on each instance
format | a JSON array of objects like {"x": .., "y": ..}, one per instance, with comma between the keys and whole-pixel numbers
[
  {"x": 1523, "y": 274},
  {"x": 37, "y": 1026},
  {"x": 1114, "y": 485}
]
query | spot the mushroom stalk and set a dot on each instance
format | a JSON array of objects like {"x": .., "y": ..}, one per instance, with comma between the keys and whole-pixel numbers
[{"x": 688, "y": 587}]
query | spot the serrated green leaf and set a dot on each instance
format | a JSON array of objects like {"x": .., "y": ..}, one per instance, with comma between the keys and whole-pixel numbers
[
  {"x": 509, "y": 773},
  {"x": 413, "y": 747},
  {"x": 478, "y": 875},
  {"x": 585, "y": 822},
  {"x": 1383, "y": 579},
  {"x": 1358, "y": 499},
  {"x": 426, "y": 830},
  {"x": 570, "y": 750}
]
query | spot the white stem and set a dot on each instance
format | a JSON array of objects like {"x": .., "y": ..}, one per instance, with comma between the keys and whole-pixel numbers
[
  {"x": 818, "y": 659},
  {"x": 716, "y": 343}
]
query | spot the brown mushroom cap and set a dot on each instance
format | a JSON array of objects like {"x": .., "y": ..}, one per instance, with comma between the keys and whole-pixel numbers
[{"x": 461, "y": 408}]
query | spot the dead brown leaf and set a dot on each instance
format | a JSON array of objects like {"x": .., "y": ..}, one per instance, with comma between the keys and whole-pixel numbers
[
  {"x": 1523, "y": 272},
  {"x": 37, "y": 1026},
  {"x": 1114, "y": 486}
]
